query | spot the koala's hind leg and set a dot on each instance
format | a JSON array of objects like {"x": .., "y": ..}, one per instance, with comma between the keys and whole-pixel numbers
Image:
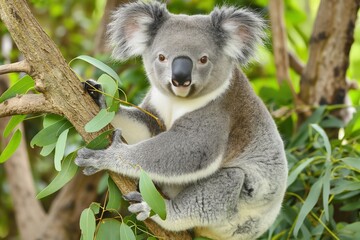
[{"x": 210, "y": 201}]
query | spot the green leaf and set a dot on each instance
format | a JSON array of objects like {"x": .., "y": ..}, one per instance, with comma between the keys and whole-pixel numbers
[
  {"x": 95, "y": 207},
  {"x": 101, "y": 141},
  {"x": 326, "y": 190},
  {"x": 115, "y": 196},
  {"x": 98, "y": 64},
  {"x": 151, "y": 195},
  {"x": 87, "y": 224},
  {"x": 126, "y": 233},
  {"x": 352, "y": 162},
  {"x": 14, "y": 121},
  {"x": 109, "y": 229},
  {"x": 308, "y": 205},
  {"x": 68, "y": 171},
  {"x": 50, "y": 119},
  {"x": 20, "y": 87},
  {"x": 46, "y": 150},
  {"x": 325, "y": 138},
  {"x": 60, "y": 149},
  {"x": 50, "y": 134},
  {"x": 294, "y": 173},
  {"x": 102, "y": 119},
  {"x": 302, "y": 134},
  {"x": 11, "y": 146},
  {"x": 343, "y": 186},
  {"x": 111, "y": 89}
]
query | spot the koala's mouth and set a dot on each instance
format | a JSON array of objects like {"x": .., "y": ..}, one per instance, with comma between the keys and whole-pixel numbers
[{"x": 183, "y": 90}]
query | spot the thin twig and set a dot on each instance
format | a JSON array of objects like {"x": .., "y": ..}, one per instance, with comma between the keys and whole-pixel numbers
[{"x": 22, "y": 66}]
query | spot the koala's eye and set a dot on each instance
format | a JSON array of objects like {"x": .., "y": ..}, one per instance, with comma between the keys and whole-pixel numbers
[
  {"x": 161, "y": 58},
  {"x": 204, "y": 59}
]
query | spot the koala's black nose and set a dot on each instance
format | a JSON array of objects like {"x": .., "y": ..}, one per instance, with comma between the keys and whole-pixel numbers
[{"x": 181, "y": 71}]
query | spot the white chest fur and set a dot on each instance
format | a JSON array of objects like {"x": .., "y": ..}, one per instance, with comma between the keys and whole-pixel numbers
[{"x": 170, "y": 108}]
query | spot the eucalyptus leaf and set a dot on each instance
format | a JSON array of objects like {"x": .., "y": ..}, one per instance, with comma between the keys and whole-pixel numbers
[
  {"x": 126, "y": 233},
  {"x": 98, "y": 64},
  {"x": 109, "y": 229},
  {"x": 68, "y": 171},
  {"x": 352, "y": 162},
  {"x": 325, "y": 138},
  {"x": 60, "y": 149},
  {"x": 87, "y": 224},
  {"x": 50, "y": 134},
  {"x": 11, "y": 146},
  {"x": 20, "y": 87},
  {"x": 115, "y": 197},
  {"x": 13, "y": 122},
  {"x": 46, "y": 150},
  {"x": 95, "y": 207},
  {"x": 102, "y": 119},
  {"x": 151, "y": 195},
  {"x": 101, "y": 141},
  {"x": 326, "y": 190},
  {"x": 295, "y": 173},
  {"x": 111, "y": 89},
  {"x": 308, "y": 205}
]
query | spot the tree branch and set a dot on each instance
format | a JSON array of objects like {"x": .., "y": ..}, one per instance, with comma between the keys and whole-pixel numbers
[
  {"x": 27, "y": 104},
  {"x": 21, "y": 66},
  {"x": 61, "y": 87},
  {"x": 295, "y": 63},
  {"x": 280, "y": 45},
  {"x": 279, "y": 39}
]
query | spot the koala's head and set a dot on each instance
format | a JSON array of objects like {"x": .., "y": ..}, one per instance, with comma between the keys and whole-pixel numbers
[{"x": 185, "y": 56}]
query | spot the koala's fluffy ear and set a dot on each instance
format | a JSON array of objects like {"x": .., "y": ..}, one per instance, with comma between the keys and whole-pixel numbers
[
  {"x": 134, "y": 26},
  {"x": 238, "y": 31}
]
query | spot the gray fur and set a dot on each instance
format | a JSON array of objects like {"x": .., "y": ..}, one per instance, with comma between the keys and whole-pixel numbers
[{"x": 220, "y": 159}]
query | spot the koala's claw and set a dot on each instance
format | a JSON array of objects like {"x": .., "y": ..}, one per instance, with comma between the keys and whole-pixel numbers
[
  {"x": 139, "y": 207},
  {"x": 133, "y": 197},
  {"x": 142, "y": 210}
]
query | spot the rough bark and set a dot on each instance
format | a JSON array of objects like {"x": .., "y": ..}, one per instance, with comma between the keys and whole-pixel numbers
[
  {"x": 324, "y": 78},
  {"x": 60, "y": 88},
  {"x": 279, "y": 39},
  {"x": 22, "y": 187}
]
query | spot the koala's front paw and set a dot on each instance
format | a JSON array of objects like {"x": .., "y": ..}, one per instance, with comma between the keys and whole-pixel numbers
[
  {"x": 138, "y": 205},
  {"x": 90, "y": 160},
  {"x": 97, "y": 160},
  {"x": 95, "y": 90}
]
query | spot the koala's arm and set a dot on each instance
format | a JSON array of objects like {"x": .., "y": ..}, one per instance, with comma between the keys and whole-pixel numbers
[
  {"x": 192, "y": 149},
  {"x": 136, "y": 125}
]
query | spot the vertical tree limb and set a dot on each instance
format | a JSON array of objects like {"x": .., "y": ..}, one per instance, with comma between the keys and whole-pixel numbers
[
  {"x": 29, "y": 213},
  {"x": 280, "y": 44},
  {"x": 279, "y": 39},
  {"x": 324, "y": 77},
  {"x": 61, "y": 87}
]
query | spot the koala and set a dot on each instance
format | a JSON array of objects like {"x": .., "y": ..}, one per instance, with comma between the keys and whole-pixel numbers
[{"x": 219, "y": 158}]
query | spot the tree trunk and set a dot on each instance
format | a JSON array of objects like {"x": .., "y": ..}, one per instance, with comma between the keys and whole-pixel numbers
[
  {"x": 59, "y": 93},
  {"x": 29, "y": 213},
  {"x": 324, "y": 78}
]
